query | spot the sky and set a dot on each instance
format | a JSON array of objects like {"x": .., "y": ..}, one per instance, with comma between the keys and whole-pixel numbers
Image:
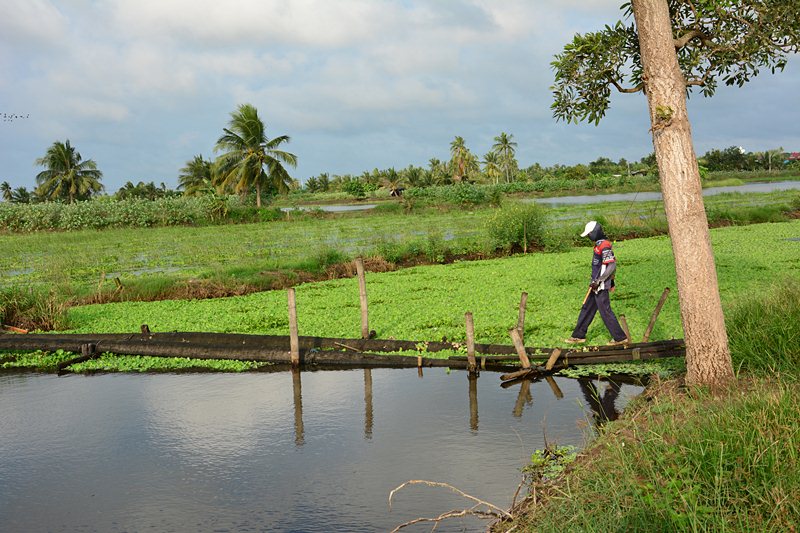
[{"x": 141, "y": 87}]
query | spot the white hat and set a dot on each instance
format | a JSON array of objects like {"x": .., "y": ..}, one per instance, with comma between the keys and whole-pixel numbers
[{"x": 589, "y": 228}]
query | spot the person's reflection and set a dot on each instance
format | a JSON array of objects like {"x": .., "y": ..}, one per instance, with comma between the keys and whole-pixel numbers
[
  {"x": 299, "y": 438},
  {"x": 603, "y": 408}
]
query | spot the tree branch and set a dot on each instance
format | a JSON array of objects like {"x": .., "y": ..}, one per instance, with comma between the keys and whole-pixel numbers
[
  {"x": 621, "y": 89},
  {"x": 684, "y": 39}
]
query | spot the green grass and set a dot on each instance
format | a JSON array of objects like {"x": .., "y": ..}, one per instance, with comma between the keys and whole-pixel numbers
[
  {"x": 700, "y": 461},
  {"x": 429, "y": 302},
  {"x": 728, "y": 462}
]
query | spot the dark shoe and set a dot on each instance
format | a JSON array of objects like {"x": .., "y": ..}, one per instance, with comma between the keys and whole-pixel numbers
[{"x": 574, "y": 340}]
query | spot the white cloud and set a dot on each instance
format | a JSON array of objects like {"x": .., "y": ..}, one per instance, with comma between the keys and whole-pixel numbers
[{"x": 31, "y": 23}]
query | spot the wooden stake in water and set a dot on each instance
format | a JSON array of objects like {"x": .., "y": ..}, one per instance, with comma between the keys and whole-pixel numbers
[
  {"x": 294, "y": 341},
  {"x": 520, "y": 347},
  {"x": 472, "y": 366},
  {"x": 362, "y": 293}
]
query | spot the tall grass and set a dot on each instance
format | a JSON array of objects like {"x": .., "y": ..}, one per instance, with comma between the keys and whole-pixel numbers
[
  {"x": 764, "y": 330},
  {"x": 702, "y": 461}
]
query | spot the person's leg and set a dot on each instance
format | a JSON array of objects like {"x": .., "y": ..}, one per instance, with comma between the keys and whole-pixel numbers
[
  {"x": 609, "y": 318},
  {"x": 585, "y": 317}
]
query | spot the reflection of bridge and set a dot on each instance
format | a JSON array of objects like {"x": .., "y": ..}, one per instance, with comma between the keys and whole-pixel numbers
[{"x": 601, "y": 405}]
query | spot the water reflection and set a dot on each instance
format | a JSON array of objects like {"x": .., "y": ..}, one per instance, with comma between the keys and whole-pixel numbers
[
  {"x": 288, "y": 451},
  {"x": 603, "y": 405},
  {"x": 367, "y": 403}
]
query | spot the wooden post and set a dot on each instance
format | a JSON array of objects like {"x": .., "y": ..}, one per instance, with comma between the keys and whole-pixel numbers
[
  {"x": 523, "y": 357},
  {"x": 294, "y": 341},
  {"x": 523, "y": 303},
  {"x": 473, "y": 402},
  {"x": 624, "y": 323},
  {"x": 653, "y": 318},
  {"x": 470, "y": 342},
  {"x": 554, "y": 355},
  {"x": 362, "y": 293},
  {"x": 368, "y": 403}
]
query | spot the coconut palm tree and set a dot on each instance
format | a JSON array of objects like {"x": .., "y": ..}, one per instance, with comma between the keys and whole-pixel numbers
[
  {"x": 195, "y": 176},
  {"x": 249, "y": 158},
  {"x": 66, "y": 175},
  {"x": 459, "y": 155},
  {"x": 505, "y": 148},
  {"x": 491, "y": 166},
  {"x": 393, "y": 181},
  {"x": 21, "y": 195},
  {"x": 5, "y": 189}
]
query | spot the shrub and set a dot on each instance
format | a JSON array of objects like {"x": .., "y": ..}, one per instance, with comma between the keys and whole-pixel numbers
[{"x": 520, "y": 226}]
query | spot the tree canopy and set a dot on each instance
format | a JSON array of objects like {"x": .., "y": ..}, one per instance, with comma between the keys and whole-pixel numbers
[
  {"x": 249, "y": 159},
  {"x": 66, "y": 175},
  {"x": 728, "y": 41}
]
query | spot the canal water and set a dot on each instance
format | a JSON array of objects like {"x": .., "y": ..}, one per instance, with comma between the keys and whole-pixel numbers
[{"x": 311, "y": 451}]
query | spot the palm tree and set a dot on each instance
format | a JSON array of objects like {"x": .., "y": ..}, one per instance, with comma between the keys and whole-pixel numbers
[
  {"x": 491, "y": 166},
  {"x": 21, "y": 195},
  {"x": 505, "y": 148},
  {"x": 195, "y": 175},
  {"x": 393, "y": 181},
  {"x": 459, "y": 155},
  {"x": 65, "y": 175},
  {"x": 249, "y": 159},
  {"x": 5, "y": 188}
]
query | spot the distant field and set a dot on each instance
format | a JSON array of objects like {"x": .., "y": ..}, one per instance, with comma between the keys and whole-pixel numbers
[
  {"x": 427, "y": 303},
  {"x": 79, "y": 258}
]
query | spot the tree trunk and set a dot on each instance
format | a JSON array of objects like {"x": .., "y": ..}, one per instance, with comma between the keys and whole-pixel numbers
[
  {"x": 258, "y": 195},
  {"x": 708, "y": 360}
]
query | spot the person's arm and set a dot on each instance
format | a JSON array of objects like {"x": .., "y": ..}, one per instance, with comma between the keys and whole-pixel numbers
[{"x": 605, "y": 274}]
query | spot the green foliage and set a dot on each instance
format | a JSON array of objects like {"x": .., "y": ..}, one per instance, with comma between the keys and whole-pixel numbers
[
  {"x": 663, "y": 368},
  {"x": 66, "y": 176},
  {"x": 763, "y": 329},
  {"x": 248, "y": 159},
  {"x": 428, "y": 302},
  {"x": 355, "y": 189},
  {"x": 703, "y": 463},
  {"x": 517, "y": 227},
  {"x": 38, "y": 360},
  {"x": 549, "y": 463},
  {"x": 113, "y": 363},
  {"x": 729, "y": 42}
]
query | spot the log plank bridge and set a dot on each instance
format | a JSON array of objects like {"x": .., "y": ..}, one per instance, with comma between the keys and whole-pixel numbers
[
  {"x": 342, "y": 352},
  {"x": 330, "y": 352}
]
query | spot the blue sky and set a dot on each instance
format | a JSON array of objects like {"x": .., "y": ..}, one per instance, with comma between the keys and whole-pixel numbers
[{"x": 142, "y": 86}]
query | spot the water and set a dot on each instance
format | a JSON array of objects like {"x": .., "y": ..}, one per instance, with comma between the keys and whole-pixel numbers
[
  {"x": 332, "y": 208},
  {"x": 650, "y": 196},
  {"x": 317, "y": 451}
]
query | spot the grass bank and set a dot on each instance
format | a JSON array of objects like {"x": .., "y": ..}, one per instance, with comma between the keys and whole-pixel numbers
[{"x": 693, "y": 460}]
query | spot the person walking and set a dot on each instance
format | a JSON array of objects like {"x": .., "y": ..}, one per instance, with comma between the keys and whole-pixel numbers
[{"x": 604, "y": 267}]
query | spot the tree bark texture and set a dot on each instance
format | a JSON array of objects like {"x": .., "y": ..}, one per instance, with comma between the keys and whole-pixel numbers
[{"x": 708, "y": 360}]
